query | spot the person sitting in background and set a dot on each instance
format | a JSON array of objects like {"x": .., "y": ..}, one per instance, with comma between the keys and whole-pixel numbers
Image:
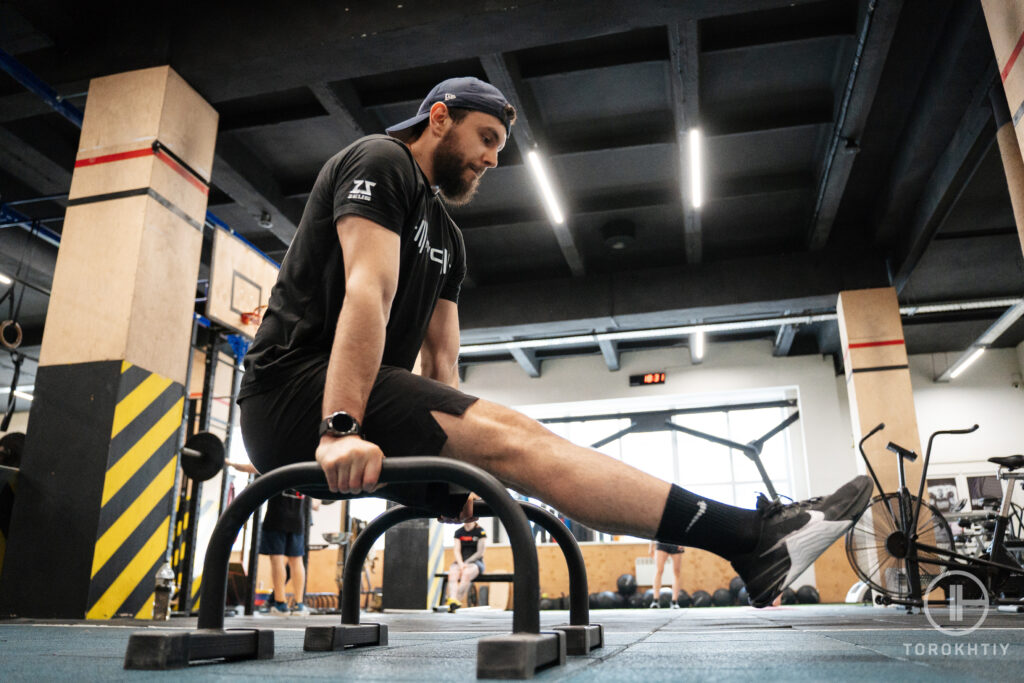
[
  {"x": 660, "y": 553},
  {"x": 470, "y": 543},
  {"x": 283, "y": 540}
]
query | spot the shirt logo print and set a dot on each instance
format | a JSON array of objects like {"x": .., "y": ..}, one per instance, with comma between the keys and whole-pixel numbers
[
  {"x": 362, "y": 189},
  {"x": 423, "y": 242}
]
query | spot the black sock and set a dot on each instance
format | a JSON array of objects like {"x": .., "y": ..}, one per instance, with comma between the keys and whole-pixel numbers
[{"x": 699, "y": 522}]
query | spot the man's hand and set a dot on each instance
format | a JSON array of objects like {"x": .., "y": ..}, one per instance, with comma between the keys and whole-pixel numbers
[
  {"x": 350, "y": 464},
  {"x": 465, "y": 515}
]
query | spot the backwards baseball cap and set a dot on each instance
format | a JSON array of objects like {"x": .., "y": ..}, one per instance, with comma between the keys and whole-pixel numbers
[{"x": 465, "y": 93}]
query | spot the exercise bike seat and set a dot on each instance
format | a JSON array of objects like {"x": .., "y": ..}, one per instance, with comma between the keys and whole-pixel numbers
[{"x": 1010, "y": 462}]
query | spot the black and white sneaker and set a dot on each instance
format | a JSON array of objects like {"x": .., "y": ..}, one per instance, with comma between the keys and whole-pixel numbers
[{"x": 794, "y": 535}]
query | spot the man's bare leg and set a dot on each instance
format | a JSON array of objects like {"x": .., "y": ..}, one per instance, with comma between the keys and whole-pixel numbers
[
  {"x": 768, "y": 548},
  {"x": 519, "y": 451}
]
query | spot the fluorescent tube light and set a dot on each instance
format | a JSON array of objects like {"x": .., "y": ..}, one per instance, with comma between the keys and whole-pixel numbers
[
  {"x": 22, "y": 394},
  {"x": 967, "y": 362},
  {"x": 4, "y": 280},
  {"x": 540, "y": 176},
  {"x": 696, "y": 169},
  {"x": 697, "y": 339}
]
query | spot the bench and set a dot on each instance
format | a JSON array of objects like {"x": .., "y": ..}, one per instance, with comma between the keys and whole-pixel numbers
[{"x": 481, "y": 578}]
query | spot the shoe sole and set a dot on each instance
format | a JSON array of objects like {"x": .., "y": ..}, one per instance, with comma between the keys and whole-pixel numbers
[{"x": 815, "y": 539}]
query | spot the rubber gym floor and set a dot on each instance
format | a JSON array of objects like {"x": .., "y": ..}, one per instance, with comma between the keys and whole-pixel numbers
[{"x": 805, "y": 642}]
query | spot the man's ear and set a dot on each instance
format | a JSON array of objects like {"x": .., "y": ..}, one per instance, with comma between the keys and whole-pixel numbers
[{"x": 439, "y": 120}]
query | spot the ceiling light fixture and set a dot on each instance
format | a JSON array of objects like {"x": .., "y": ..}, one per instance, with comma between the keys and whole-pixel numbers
[
  {"x": 540, "y": 176},
  {"x": 967, "y": 362},
  {"x": 697, "y": 345},
  {"x": 22, "y": 394},
  {"x": 4, "y": 280},
  {"x": 696, "y": 169}
]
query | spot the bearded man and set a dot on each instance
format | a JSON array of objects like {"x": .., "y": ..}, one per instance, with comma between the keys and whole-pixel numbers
[{"x": 371, "y": 282}]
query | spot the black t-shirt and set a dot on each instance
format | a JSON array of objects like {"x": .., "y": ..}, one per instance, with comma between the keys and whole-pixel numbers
[
  {"x": 377, "y": 178},
  {"x": 286, "y": 512},
  {"x": 469, "y": 539}
]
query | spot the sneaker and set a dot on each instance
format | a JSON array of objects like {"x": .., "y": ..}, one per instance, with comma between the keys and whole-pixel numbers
[
  {"x": 794, "y": 535},
  {"x": 278, "y": 609},
  {"x": 675, "y": 605},
  {"x": 300, "y": 610},
  {"x": 453, "y": 604},
  {"x": 654, "y": 605}
]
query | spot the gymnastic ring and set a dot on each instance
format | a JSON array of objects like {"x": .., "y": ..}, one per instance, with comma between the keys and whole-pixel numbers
[{"x": 3, "y": 334}]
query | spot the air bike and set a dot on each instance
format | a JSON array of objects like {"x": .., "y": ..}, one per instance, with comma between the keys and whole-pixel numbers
[{"x": 902, "y": 544}]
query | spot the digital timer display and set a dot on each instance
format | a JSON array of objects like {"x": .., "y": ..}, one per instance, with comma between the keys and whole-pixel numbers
[{"x": 647, "y": 378}]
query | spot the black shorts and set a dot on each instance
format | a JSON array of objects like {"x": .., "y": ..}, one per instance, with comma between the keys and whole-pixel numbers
[
  {"x": 274, "y": 542},
  {"x": 279, "y": 427},
  {"x": 669, "y": 548}
]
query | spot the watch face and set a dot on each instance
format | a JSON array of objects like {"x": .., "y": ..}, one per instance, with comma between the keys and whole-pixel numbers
[{"x": 341, "y": 422}]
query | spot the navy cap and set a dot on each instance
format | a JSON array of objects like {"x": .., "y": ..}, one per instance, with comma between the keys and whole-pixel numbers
[{"x": 465, "y": 93}]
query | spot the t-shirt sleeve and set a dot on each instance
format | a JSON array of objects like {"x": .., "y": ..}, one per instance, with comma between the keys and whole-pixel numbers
[
  {"x": 453, "y": 282},
  {"x": 377, "y": 181},
  {"x": 483, "y": 534}
]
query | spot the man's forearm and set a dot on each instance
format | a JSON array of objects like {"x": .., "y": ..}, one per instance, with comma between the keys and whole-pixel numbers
[{"x": 355, "y": 355}]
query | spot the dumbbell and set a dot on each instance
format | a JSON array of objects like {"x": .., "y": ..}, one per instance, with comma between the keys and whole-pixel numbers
[{"x": 202, "y": 456}]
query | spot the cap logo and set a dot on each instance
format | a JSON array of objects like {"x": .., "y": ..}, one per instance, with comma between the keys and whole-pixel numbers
[{"x": 448, "y": 96}]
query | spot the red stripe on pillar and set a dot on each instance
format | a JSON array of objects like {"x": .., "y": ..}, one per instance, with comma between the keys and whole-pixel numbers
[
  {"x": 135, "y": 154},
  {"x": 1013, "y": 58},
  {"x": 888, "y": 342}
]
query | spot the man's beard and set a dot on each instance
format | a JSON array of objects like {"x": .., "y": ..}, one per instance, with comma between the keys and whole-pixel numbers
[{"x": 450, "y": 173}]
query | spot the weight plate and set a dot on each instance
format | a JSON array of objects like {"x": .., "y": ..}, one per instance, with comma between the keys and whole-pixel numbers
[{"x": 211, "y": 458}]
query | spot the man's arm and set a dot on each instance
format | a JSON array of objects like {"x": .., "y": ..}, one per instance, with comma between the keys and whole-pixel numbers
[
  {"x": 439, "y": 355},
  {"x": 371, "y": 255}
]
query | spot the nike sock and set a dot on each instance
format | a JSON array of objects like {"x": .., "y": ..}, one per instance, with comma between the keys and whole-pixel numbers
[{"x": 699, "y": 522}]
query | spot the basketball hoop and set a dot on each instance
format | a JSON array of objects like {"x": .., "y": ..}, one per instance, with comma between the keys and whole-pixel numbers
[{"x": 254, "y": 317}]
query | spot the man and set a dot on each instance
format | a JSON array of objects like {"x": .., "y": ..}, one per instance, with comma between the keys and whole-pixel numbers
[
  {"x": 283, "y": 541},
  {"x": 372, "y": 279}
]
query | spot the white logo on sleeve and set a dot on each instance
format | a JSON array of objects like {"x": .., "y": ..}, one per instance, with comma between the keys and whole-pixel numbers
[
  {"x": 423, "y": 242},
  {"x": 362, "y": 189}
]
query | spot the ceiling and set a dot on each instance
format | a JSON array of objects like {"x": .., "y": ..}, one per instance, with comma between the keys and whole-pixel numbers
[{"x": 847, "y": 144}]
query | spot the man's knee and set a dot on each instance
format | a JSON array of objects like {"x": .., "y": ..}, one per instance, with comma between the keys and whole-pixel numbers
[{"x": 490, "y": 431}]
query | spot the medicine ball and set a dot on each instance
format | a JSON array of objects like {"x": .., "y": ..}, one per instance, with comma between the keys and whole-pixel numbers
[
  {"x": 636, "y": 600},
  {"x": 547, "y": 603},
  {"x": 626, "y": 584},
  {"x": 684, "y": 599},
  {"x": 722, "y": 597},
  {"x": 665, "y": 597},
  {"x": 593, "y": 600},
  {"x": 788, "y": 597},
  {"x": 735, "y": 585},
  {"x": 743, "y": 597},
  {"x": 648, "y": 597},
  {"x": 618, "y": 601},
  {"x": 606, "y": 600},
  {"x": 701, "y": 599},
  {"x": 808, "y": 595}
]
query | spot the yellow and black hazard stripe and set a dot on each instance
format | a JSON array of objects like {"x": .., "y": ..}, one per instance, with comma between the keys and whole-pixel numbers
[
  {"x": 435, "y": 555},
  {"x": 137, "y": 488}
]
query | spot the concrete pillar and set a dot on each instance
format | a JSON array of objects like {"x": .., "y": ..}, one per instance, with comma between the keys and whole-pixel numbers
[{"x": 91, "y": 520}]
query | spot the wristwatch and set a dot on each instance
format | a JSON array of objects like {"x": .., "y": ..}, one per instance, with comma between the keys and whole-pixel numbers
[{"x": 340, "y": 424}]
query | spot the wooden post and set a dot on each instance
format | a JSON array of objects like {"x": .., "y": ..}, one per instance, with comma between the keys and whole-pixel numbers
[
  {"x": 878, "y": 379},
  {"x": 91, "y": 521}
]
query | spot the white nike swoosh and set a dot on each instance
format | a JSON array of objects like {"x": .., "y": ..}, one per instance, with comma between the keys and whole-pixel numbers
[{"x": 701, "y": 509}]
